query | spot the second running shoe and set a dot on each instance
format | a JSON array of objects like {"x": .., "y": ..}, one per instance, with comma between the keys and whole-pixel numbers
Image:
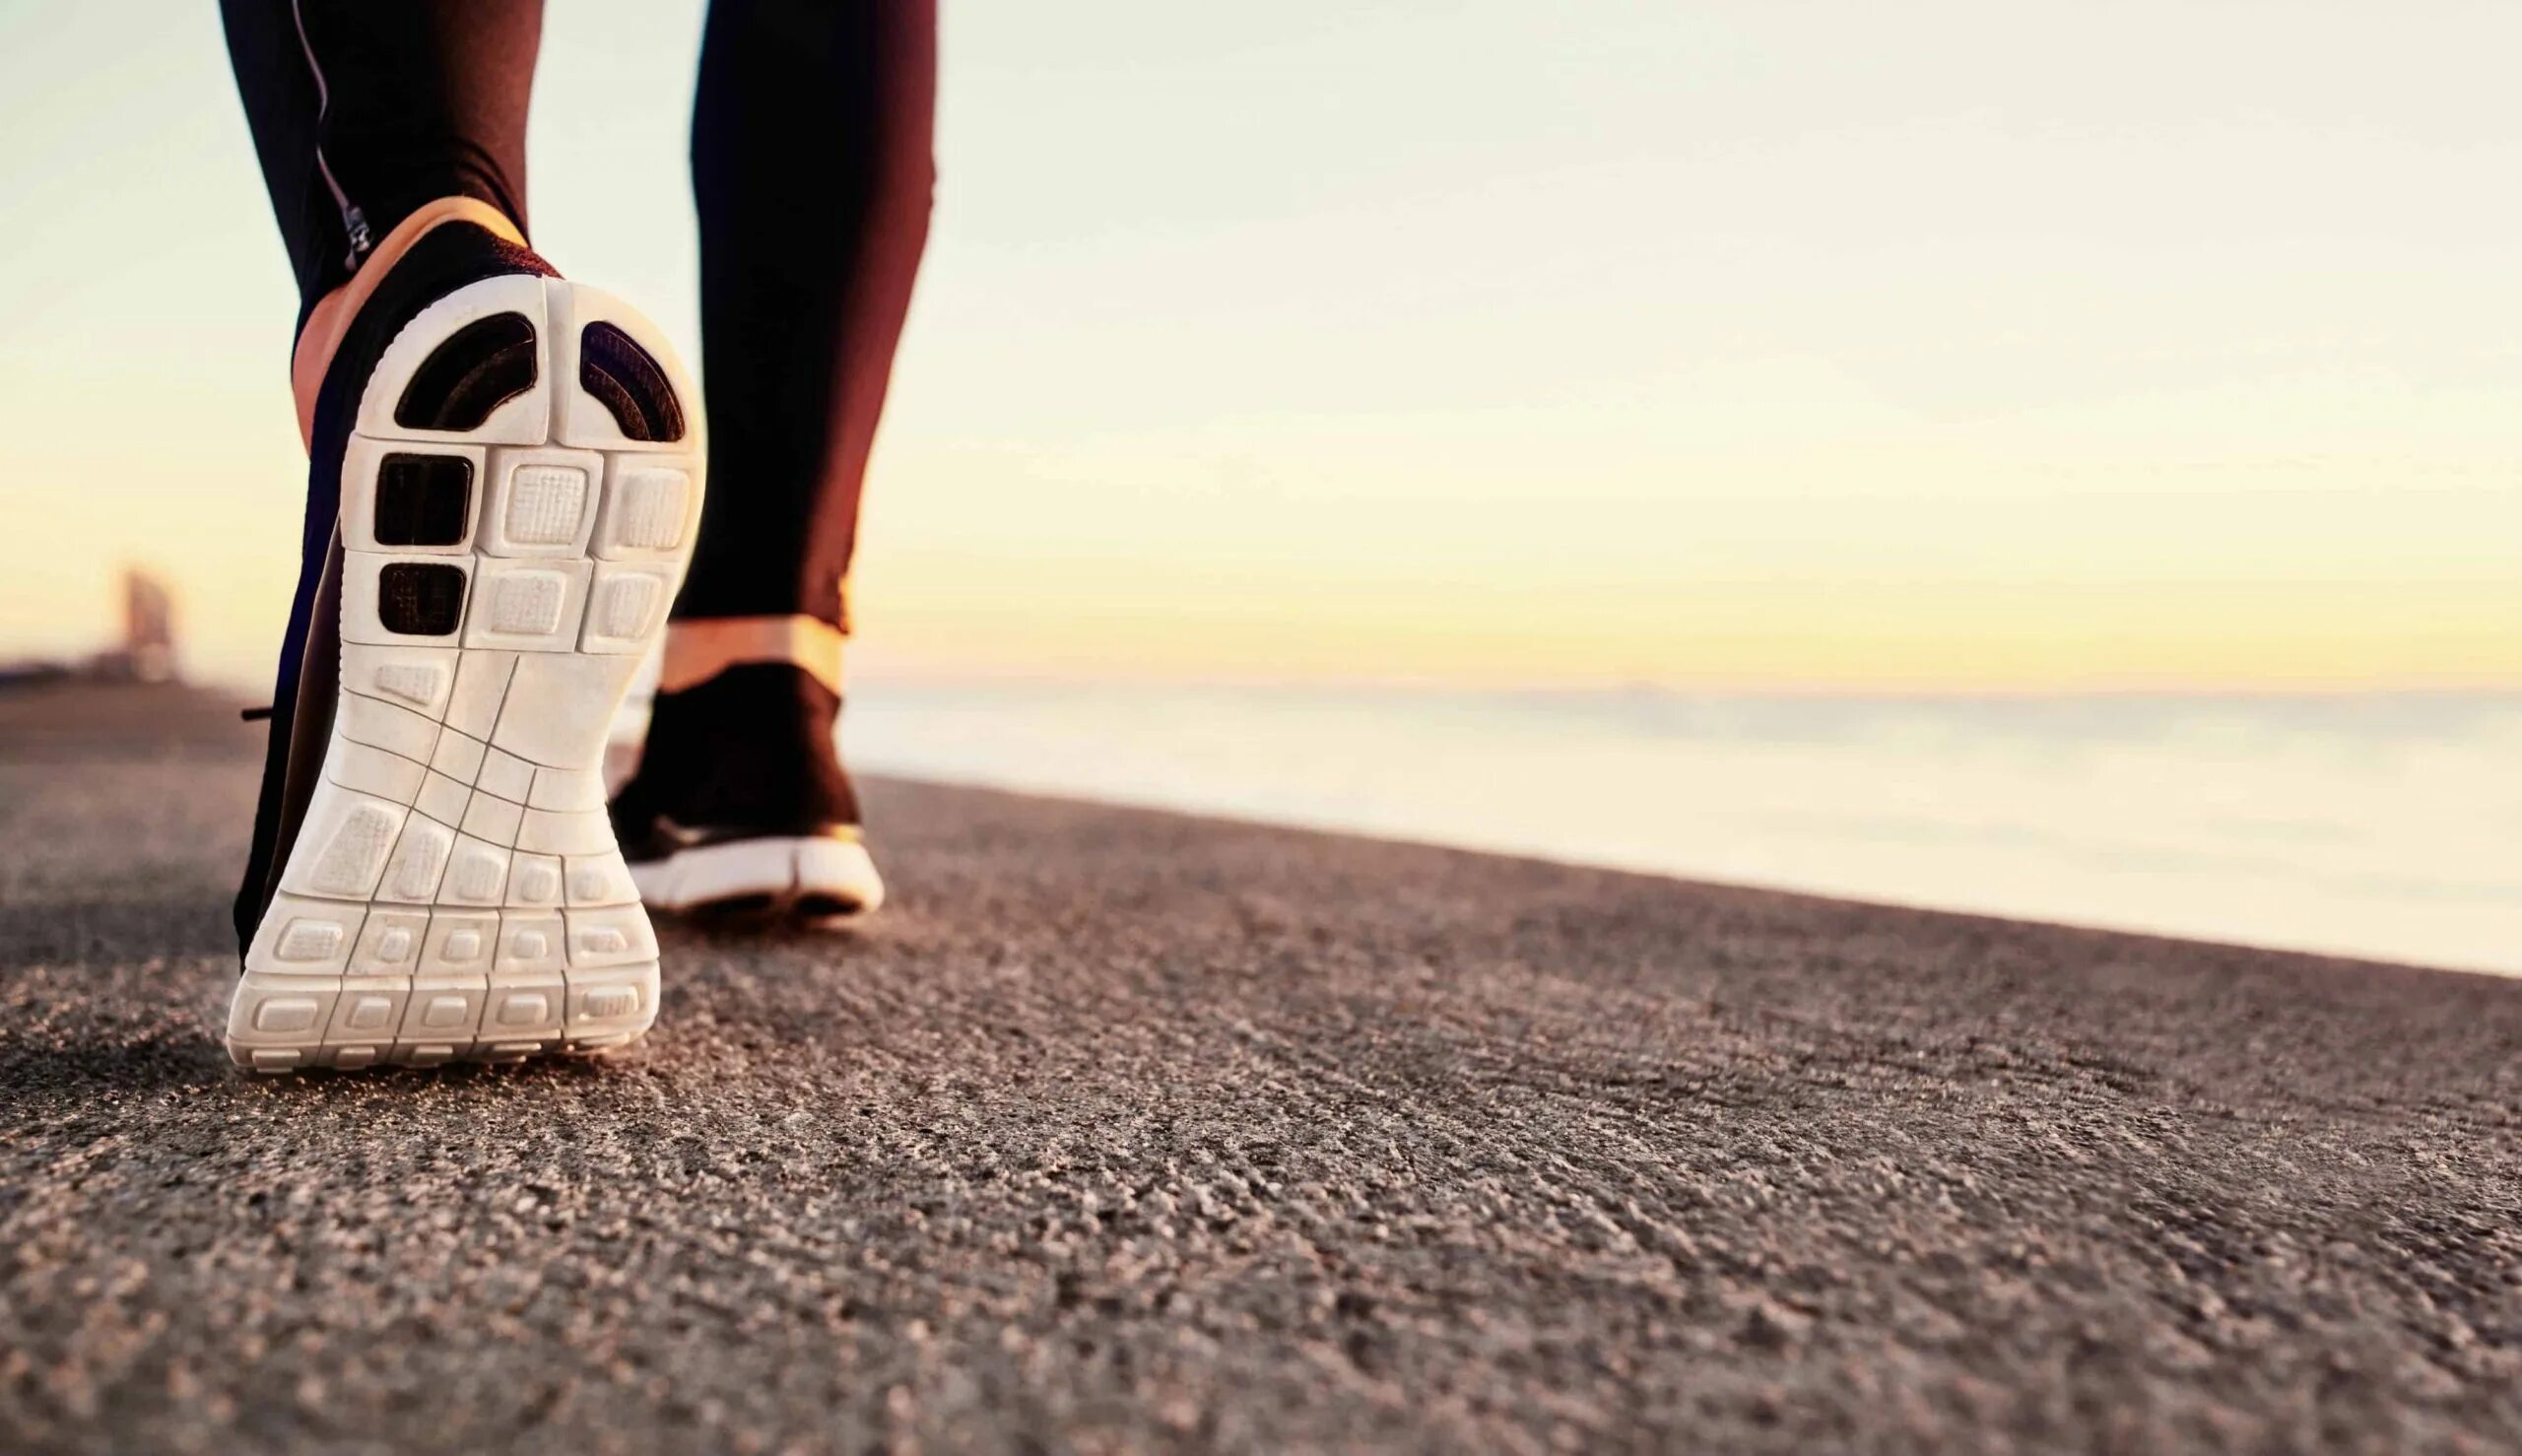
[{"x": 740, "y": 807}]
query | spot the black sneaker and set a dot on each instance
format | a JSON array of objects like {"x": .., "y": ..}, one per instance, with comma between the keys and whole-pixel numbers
[
  {"x": 506, "y": 476},
  {"x": 740, "y": 805}
]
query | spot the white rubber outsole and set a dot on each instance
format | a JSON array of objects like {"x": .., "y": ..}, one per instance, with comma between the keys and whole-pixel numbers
[
  {"x": 455, "y": 892},
  {"x": 774, "y": 875}
]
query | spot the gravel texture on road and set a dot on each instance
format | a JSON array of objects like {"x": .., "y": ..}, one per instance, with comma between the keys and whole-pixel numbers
[{"x": 1121, "y": 1130}]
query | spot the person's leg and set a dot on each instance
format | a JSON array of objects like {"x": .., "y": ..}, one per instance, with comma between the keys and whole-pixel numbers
[
  {"x": 502, "y": 485},
  {"x": 375, "y": 122},
  {"x": 812, "y": 167},
  {"x": 364, "y": 110}
]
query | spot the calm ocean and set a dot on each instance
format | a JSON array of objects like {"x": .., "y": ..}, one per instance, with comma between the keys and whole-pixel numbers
[{"x": 2381, "y": 825}]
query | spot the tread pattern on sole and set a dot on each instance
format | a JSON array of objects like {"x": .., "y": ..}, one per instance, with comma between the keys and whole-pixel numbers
[{"x": 455, "y": 892}]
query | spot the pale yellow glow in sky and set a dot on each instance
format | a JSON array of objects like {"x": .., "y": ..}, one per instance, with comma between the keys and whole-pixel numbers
[{"x": 1802, "y": 344}]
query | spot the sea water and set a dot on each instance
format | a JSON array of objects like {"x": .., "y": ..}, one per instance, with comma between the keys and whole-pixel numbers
[{"x": 2383, "y": 826}]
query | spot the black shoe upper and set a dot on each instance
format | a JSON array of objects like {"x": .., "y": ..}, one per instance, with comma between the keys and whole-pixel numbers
[
  {"x": 748, "y": 755},
  {"x": 444, "y": 260}
]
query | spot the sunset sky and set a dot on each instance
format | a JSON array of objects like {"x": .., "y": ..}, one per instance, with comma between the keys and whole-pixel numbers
[{"x": 1779, "y": 344}]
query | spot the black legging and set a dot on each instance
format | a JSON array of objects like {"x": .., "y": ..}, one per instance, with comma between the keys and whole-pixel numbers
[{"x": 811, "y": 161}]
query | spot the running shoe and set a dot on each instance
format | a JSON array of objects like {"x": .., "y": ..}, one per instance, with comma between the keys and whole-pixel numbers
[
  {"x": 504, "y": 482},
  {"x": 740, "y": 807}
]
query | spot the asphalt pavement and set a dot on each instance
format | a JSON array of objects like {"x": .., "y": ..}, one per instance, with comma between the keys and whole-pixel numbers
[{"x": 1122, "y": 1130}]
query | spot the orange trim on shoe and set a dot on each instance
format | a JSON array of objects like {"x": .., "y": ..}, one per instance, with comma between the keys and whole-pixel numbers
[
  {"x": 330, "y": 319},
  {"x": 701, "y": 648}
]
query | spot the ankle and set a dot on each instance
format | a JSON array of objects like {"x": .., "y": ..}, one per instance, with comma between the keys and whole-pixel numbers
[
  {"x": 700, "y": 649},
  {"x": 329, "y": 321}
]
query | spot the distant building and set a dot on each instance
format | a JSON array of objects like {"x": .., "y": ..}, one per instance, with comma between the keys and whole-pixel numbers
[
  {"x": 147, "y": 652},
  {"x": 148, "y": 627}
]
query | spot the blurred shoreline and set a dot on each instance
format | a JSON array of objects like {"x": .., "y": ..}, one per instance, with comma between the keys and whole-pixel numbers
[{"x": 2373, "y": 824}]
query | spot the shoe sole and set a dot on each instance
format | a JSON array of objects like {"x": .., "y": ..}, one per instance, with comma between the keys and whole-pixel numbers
[
  {"x": 802, "y": 878},
  {"x": 455, "y": 892}
]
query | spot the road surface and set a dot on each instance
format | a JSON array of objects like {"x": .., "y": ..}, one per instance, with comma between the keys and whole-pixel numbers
[{"x": 1121, "y": 1130}]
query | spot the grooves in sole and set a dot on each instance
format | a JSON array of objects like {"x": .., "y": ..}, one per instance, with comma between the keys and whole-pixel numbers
[{"x": 455, "y": 892}]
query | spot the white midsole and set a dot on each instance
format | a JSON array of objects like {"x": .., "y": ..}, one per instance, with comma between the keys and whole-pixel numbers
[
  {"x": 455, "y": 891},
  {"x": 780, "y": 870}
]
